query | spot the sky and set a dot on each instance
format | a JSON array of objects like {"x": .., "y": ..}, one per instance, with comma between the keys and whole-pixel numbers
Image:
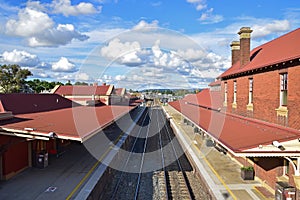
[{"x": 135, "y": 44}]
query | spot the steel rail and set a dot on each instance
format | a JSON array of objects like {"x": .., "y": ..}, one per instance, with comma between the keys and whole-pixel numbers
[
  {"x": 177, "y": 159},
  {"x": 142, "y": 162},
  {"x": 162, "y": 157},
  {"x": 127, "y": 160}
]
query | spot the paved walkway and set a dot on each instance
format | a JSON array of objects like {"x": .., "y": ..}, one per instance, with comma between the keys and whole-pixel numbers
[{"x": 220, "y": 171}]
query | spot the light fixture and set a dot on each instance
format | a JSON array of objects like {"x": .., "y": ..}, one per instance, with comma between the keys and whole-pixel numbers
[{"x": 278, "y": 145}]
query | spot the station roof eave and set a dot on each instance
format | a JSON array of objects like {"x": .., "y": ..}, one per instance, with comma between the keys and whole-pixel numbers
[
  {"x": 241, "y": 136},
  {"x": 77, "y": 124}
]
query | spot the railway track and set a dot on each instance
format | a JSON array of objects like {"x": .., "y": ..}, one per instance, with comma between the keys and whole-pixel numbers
[
  {"x": 160, "y": 176},
  {"x": 177, "y": 184},
  {"x": 132, "y": 180}
]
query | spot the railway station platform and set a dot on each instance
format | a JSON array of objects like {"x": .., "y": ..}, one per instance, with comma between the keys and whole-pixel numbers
[{"x": 221, "y": 172}]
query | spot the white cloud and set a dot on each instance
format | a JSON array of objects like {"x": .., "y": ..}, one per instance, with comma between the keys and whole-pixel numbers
[
  {"x": 145, "y": 26},
  {"x": 269, "y": 28},
  {"x": 31, "y": 22},
  {"x": 105, "y": 79},
  {"x": 22, "y": 58},
  {"x": 192, "y": 54},
  {"x": 61, "y": 35},
  {"x": 82, "y": 77},
  {"x": 209, "y": 18},
  {"x": 39, "y": 29},
  {"x": 39, "y": 73},
  {"x": 116, "y": 50},
  {"x": 200, "y": 4},
  {"x": 65, "y": 7},
  {"x": 63, "y": 65},
  {"x": 120, "y": 77}
]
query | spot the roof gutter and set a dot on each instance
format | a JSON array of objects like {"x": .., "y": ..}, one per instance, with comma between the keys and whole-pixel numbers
[{"x": 32, "y": 134}]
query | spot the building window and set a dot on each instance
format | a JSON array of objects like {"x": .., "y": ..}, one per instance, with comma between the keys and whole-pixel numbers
[
  {"x": 225, "y": 92},
  {"x": 283, "y": 89},
  {"x": 234, "y": 91},
  {"x": 250, "y": 90}
]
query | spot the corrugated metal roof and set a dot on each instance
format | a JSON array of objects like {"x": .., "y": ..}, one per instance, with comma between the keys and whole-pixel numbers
[
  {"x": 41, "y": 114},
  {"x": 235, "y": 132},
  {"x": 70, "y": 123},
  {"x": 82, "y": 90}
]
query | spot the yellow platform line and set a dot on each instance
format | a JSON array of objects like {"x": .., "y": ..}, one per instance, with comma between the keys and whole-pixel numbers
[
  {"x": 91, "y": 170},
  {"x": 260, "y": 193},
  {"x": 216, "y": 174}
]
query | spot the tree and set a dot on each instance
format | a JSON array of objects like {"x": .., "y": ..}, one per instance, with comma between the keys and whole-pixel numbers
[
  {"x": 12, "y": 78},
  {"x": 40, "y": 85},
  {"x": 68, "y": 83},
  {"x": 80, "y": 83}
]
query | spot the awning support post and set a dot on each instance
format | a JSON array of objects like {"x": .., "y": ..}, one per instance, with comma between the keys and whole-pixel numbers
[{"x": 296, "y": 167}]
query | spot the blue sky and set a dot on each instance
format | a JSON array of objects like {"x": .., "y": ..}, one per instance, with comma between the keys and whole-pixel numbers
[{"x": 132, "y": 43}]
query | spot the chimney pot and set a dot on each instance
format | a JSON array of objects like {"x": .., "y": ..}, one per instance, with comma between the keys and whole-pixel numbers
[
  {"x": 235, "y": 51},
  {"x": 245, "y": 36}
]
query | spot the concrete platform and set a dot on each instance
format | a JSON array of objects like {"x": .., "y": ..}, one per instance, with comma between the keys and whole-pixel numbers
[
  {"x": 220, "y": 171},
  {"x": 53, "y": 182}
]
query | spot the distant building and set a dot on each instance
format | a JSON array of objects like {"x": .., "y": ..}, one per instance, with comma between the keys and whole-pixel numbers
[
  {"x": 91, "y": 95},
  {"x": 253, "y": 109}
]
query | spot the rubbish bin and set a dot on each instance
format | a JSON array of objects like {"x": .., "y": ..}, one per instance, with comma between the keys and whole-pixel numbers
[
  {"x": 41, "y": 160},
  {"x": 283, "y": 191}
]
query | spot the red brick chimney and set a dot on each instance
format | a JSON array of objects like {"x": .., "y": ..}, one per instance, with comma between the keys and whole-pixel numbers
[
  {"x": 245, "y": 36},
  {"x": 235, "y": 51}
]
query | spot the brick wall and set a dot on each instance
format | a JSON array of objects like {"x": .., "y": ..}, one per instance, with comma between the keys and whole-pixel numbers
[
  {"x": 294, "y": 97},
  {"x": 242, "y": 95},
  {"x": 266, "y": 91},
  {"x": 268, "y": 169},
  {"x": 266, "y": 96}
]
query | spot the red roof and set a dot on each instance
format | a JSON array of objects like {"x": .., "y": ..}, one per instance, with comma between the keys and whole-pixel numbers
[
  {"x": 215, "y": 83},
  {"x": 71, "y": 123},
  {"x": 83, "y": 90},
  {"x": 235, "y": 132},
  {"x": 119, "y": 91},
  {"x": 44, "y": 113},
  {"x": 205, "y": 98},
  {"x": 279, "y": 50},
  {"x": 31, "y": 103}
]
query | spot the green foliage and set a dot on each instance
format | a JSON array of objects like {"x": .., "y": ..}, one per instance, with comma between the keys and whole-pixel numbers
[
  {"x": 12, "y": 78},
  {"x": 248, "y": 168},
  {"x": 81, "y": 83},
  {"x": 40, "y": 85},
  {"x": 69, "y": 83}
]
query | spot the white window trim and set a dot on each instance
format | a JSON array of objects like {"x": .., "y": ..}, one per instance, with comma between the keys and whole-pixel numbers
[
  {"x": 234, "y": 91},
  {"x": 250, "y": 100},
  {"x": 281, "y": 104}
]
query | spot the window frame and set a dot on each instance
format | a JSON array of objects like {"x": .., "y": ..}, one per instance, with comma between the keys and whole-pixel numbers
[
  {"x": 250, "y": 91},
  {"x": 283, "y": 101},
  {"x": 234, "y": 91},
  {"x": 225, "y": 92}
]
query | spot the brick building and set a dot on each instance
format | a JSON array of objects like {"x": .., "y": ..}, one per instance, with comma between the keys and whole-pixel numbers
[
  {"x": 265, "y": 83},
  {"x": 252, "y": 111}
]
